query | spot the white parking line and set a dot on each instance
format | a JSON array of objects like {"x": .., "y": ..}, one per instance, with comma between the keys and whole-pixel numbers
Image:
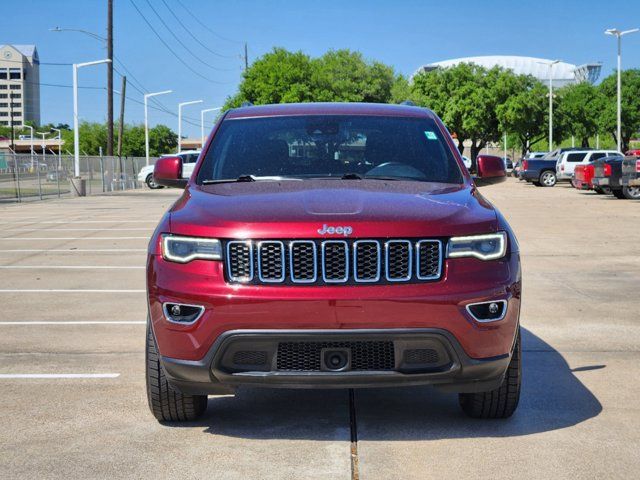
[
  {"x": 108, "y": 322},
  {"x": 74, "y": 238},
  {"x": 72, "y": 267},
  {"x": 58, "y": 375},
  {"x": 70, "y": 290}
]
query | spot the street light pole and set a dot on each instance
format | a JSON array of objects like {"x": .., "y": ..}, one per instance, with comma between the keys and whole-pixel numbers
[
  {"x": 619, "y": 34},
  {"x": 180, "y": 105},
  {"x": 76, "y": 133},
  {"x": 550, "y": 65},
  {"x": 202, "y": 112},
  {"x": 146, "y": 120}
]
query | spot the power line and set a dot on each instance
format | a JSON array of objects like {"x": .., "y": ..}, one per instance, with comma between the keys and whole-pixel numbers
[
  {"x": 170, "y": 30},
  {"x": 205, "y": 26},
  {"x": 193, "y": 36},
  {"x": 170, "y": 49}
]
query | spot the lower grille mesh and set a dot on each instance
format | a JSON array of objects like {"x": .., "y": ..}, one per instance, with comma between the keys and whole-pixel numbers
[{"x": 374, "y": 355}]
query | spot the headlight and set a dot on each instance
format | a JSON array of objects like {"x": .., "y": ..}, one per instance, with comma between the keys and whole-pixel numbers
[
  {"x": 484, "y": 247},
  {"x": 184, "y": 249}
]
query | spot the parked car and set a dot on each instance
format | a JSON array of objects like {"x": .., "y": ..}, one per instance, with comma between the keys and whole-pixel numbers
[
  {"x": 633, "y": 152},
  {"x": 314, "y": 268},
  {"x": 542, "y": 171},
  {"x": 583, "y": 179},
  {"x": 567, "y": 161},
  {"x": 630, "y": 172},
  {"x": 608, "y": 173},
  {"x": 188, "y": 158}
]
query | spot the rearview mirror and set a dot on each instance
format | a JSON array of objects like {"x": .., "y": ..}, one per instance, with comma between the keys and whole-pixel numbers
[
  {"x": 168, "y": 172},
  {"x": 490, "y": 169}
]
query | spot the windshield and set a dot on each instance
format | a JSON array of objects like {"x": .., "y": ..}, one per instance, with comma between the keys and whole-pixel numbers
[{"x": 332, "y": 146}]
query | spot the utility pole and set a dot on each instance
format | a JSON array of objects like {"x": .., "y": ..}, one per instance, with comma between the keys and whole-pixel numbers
[
  {"x": 246, "y": 57},
  {"x": 110, "y": 77},
  {"x": 121, "y": 123}
]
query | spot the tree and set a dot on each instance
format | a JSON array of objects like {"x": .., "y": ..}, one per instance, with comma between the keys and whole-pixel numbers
[
  {"x": 525, "y": 113},
  {"x": 466, "y": 97},
  {"x": 162, "y": 140},
  {"x": 344, "y": 76},
  {"x": 281, "y": 76},
  {"x": 579, "y": 106},
  {"x": 277, "y": 77},
  {"x": 630, "y": 105}
]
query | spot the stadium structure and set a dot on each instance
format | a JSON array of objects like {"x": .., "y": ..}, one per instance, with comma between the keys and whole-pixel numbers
[{"x": 562, "y": 73}]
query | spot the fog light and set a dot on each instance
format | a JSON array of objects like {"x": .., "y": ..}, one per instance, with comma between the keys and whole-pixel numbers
[
  {"x": 182, "y": 313},
  {"x": 488, "y": 311}
]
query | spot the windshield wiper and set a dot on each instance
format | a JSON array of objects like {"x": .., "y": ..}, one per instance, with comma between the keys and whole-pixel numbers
[
  {"x": 246, "y": 178},
  {"x": 351, "y": 176}
]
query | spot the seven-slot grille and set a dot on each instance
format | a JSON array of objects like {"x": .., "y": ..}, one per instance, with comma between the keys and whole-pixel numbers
[{"x": 333, "y": 261}]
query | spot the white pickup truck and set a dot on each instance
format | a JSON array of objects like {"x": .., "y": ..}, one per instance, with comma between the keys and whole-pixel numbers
[
  {"x": 189, "y": 159},
  {"x": 568, "y": 160}
]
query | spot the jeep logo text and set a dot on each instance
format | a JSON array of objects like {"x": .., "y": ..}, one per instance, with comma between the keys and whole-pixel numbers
[{"x": 327, "y": 230}]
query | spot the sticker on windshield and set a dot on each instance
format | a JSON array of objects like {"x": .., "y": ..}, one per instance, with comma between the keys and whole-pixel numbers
[{"x": 430, "y": 135}]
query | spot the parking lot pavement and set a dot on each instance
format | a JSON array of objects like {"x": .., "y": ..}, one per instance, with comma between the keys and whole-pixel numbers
[{"x": 73, "y": 313}]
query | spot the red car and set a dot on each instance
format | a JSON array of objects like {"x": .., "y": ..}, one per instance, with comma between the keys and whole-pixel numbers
[
  {"x": 583, "y": 179},
  {"x": 332, "y": 246}
]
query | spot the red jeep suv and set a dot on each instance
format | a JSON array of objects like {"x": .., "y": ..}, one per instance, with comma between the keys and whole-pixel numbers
[{"x": 332, "y": 246}]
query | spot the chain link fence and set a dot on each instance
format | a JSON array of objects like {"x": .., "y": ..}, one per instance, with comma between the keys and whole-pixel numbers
[{"x": 26, "y": 177}]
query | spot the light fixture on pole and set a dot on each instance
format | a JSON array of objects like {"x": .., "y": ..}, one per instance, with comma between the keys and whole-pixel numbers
[
  {"x": 180, "y": 105},
  {"x": 619, "y": 34},
  {"x": 146, "y": 120},
  {"x": 202, "y": 112},
  {"x": 76, "y": 133},
  {"x": 550, "y": 65}
]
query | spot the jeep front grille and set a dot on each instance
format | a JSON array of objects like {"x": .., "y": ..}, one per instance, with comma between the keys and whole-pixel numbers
[{"x": 333, "y": 262}]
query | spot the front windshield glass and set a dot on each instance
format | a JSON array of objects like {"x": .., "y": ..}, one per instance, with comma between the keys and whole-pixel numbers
[{"x": 332, "y": 146}]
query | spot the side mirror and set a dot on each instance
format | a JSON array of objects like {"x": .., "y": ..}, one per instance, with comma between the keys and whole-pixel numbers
[
  {"x": 490, "y": 170},
  {"x": 168, "y": 172}
]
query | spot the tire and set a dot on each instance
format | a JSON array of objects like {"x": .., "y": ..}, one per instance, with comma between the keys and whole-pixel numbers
[
  {"x": 548, "y": 178},
  {"x": 631, "y": 193},
  {"x": 618, "y": 193},
  {"x": 151, "y": 182},
  {"x": 166, "y": 403},
  {"x": 501, "y": 402}
]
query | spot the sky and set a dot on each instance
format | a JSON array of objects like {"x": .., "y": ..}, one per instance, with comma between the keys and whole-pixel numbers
[{"x": 402, "y": 33}]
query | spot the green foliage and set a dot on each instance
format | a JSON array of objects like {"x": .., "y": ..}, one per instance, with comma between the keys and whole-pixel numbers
[
  {"x": 578, "y": 111},
  {"x": 338, "y": 76},
  {"x": 607, "y": 119},
  {"x": 94, "y": 135},
  {"x": 467, "y": 97}
]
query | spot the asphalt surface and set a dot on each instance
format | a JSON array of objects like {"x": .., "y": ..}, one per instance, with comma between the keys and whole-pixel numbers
[{"x": 67, "y": 264}]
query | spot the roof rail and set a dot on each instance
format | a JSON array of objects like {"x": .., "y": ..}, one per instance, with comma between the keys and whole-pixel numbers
[
  {"x": 246, "y": 104},
  {"x": 408, "y": 102}
]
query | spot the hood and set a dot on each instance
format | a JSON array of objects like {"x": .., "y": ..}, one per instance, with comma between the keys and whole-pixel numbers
[{"x": 306, "y": 209}]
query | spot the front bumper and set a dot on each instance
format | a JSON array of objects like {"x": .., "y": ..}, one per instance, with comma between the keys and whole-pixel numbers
[{"x": 447, "y": 366}]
